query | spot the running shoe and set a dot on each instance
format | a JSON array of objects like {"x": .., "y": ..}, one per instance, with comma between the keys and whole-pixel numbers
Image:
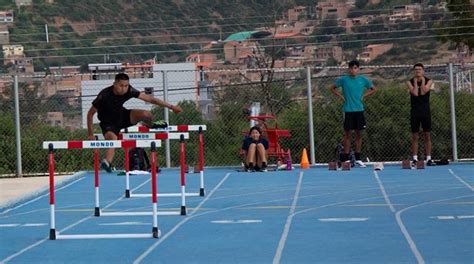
[
  {"x": 159, "y": 124},
  {"x": 360, "y": 163},
  {"x": 105, "y": 165},
  {"x": 430, "y": 163}
]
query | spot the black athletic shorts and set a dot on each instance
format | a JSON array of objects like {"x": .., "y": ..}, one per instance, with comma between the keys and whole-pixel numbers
[
  {"x": 424, "y": 120},
  {"x": 354, "y": 120},
  {"x": 123, "y": 121}
]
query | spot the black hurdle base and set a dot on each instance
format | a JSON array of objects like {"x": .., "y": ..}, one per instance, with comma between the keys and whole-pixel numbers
[
  {"x": 183, "y": 210},
  {"x": 127, "y": 193},
  {"x": 156, "y": 232},
  {"x": 52, "y": 234},
  {"x": 96, "y": 211},
  {"x": 201, "y": 192}
]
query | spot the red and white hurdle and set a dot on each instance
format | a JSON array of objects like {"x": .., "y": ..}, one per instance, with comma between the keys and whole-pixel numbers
[
  {"x": 147, "y": 136},
  {"x": 96, "y": 145},
  {"x": 180, "y": 128}
]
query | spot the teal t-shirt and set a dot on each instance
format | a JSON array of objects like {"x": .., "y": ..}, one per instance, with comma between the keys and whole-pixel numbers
[{"x": 353, "y": 88}]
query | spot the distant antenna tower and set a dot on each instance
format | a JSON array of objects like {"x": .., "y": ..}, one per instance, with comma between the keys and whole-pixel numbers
[{"x": 464, "y": 75}]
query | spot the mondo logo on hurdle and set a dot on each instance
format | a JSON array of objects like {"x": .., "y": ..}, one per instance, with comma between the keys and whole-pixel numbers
[{"x": 96, "y": 145}]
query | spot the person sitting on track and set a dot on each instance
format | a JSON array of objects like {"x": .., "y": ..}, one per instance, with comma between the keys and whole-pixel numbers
[
  {"x": 255, "y": 151},
  {"x": 113, "y": 116}
]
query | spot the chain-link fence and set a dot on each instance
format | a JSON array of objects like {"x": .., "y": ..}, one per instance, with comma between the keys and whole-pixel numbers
[{"x": 54, "y": 107}]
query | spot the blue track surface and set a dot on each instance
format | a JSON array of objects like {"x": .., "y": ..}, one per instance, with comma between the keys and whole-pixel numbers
[{"x": 299, "y": 216}]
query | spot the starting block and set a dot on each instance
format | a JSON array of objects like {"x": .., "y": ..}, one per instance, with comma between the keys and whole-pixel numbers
[
  {"x": 420, "y": 164},
  {"x": 406, "y": 164},
  {"x": 332, "y": 165},
  {"x": 346, "y": 165}
]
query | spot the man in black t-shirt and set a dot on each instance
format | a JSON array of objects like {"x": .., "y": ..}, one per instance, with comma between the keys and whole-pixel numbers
[
  {"x": 420, "y": 113},
  {"x": 113, "y": 116}
]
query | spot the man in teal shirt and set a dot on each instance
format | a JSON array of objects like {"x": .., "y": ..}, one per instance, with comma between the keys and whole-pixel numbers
[{"x": 355, "y": 88}]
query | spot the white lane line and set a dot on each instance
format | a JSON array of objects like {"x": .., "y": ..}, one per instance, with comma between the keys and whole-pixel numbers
[
  {"x": 182, "y": 222},
  {"x": 444, "y": 217},
  {"x": 289, "y": 220},
  {"x": 405, "y": 232},
  {"x": 39, "y": 197},
  {"x": 34, "y": 224},
  {"x": 236, "y": 221},
  {"x": 385, "y": 196},
  {"x": 9, "y": 225},
  {"x": 124, "y": 224},
  {"x": 24, "y": 225},
  {"x": 465, "y": 216},
  {"x": 452, "y": 217},
  {"x": 461, "y": 180},
  {"x": 344, "y": 219}
]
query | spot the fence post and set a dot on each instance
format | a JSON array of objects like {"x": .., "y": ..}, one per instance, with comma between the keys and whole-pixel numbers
[
  {"x": 453, "y": 112},
  {"x": 19, "y": 172},
  {"x": 310, "y": 115},
  {"x": 166, "y": 116}
]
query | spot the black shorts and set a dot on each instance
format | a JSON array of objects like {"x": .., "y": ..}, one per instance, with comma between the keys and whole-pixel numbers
[
  {"x": 122, "y": 121},
  {"x": 354, "y": 120},
  {"x": 424, "y": 120}
]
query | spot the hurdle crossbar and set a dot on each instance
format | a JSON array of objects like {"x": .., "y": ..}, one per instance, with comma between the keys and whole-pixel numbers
[
  {"x": 94, "y": 144},
  {"x": 178, "y": 128},
  {"x": 147, "y": 136},
  {"x": 100, "y": 144}
]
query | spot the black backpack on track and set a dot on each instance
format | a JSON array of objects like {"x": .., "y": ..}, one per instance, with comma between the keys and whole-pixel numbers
[{"x": 138, "y": 159}]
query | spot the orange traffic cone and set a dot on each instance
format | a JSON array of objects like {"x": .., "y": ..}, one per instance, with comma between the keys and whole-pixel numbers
[{"x": 304, "y": 160}]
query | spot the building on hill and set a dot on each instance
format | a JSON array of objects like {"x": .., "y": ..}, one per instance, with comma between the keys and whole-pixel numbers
[
  {"x": 373, "y": 51},
  {"x": 20, "y": 3},
  {"x": 238, "y": 51},
  {"x": 64, "y": 81},
  {"x": 4, "y": 35},
  {"x": 295, "y": 13},
  {"x": 333, "y": 8},
  {"x": 6, "y": 16},
  {"x": 404, "y": 13},
  {"x": 204, "y": 60},
  {"x": 324, "y": 53},
  {"x": 58, "y": 119},
  {"x": 12, "y": 51}
]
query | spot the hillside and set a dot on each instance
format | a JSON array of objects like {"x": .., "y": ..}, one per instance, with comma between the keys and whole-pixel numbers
[
  {"x": 154, "y": 27},
  {"x": 88, "y": 31}
]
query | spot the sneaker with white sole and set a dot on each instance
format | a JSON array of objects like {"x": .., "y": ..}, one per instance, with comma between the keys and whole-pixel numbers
[
  {"x": 360, "y": 163},
  {"x": 159, "y": 124},
  {"x": 106, "y": 166}
]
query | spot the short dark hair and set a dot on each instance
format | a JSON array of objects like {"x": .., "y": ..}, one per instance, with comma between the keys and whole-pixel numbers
[
  {"x": 121, "y": 77},
  {"x": 255, "y": 128},
  {"x": 419, "y": 64},
  {"x": 354, "y": 63}
]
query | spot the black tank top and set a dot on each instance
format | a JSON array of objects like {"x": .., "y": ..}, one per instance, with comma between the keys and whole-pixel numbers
[{"x": 420, "y": 104}]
